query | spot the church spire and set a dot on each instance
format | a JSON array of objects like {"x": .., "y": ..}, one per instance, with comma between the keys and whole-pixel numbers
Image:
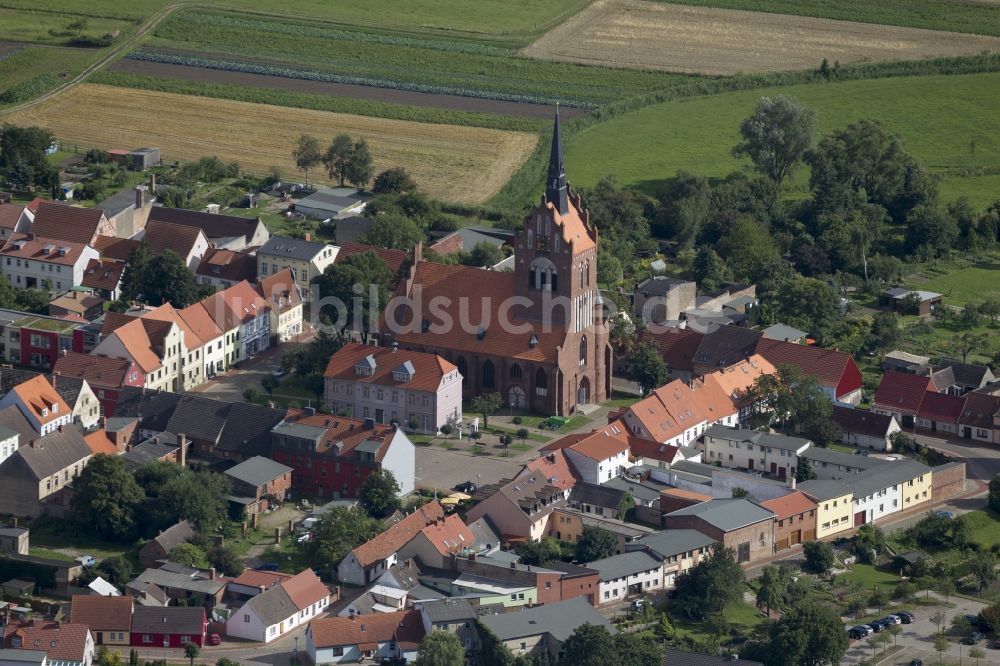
[{"x": 556, "y": 190}]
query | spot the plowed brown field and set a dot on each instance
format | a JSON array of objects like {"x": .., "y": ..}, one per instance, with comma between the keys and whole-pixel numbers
[
  {"x": 652, "y": 35},
  {"x": 453, "y": 163}
]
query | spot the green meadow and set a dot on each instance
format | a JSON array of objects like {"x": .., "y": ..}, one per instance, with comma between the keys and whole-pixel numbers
[{"x": 938, "y": 117}]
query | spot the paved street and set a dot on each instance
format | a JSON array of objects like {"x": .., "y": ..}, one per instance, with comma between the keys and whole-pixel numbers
[
  {"x": 442, "y": 469},
  {"x": 982, "y": 460}
]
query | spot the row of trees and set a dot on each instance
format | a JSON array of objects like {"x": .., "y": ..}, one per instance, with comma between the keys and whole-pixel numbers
[
  {"x": 345, "y": 160},
  {"x": 23, "y": 161}
]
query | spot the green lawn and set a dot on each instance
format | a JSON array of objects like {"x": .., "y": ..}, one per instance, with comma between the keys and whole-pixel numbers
[
  {"x": 956, "y": 15},
  {"x": 985, "y": 527},
  {"x": 936, "y": 116},
  {"x": 973, "y": 284},
  {"x": 981, "y": 191},
  {"x": 45, "y": 27},
  {"x": 869, "y": 576},
  {"x": 509, "y": 19},
  {"x": 35, "y": 61},
  {"x": 742, "y": 616},
  {"x": 49, "y": 554},
  {"x": 47, "y": 534}
]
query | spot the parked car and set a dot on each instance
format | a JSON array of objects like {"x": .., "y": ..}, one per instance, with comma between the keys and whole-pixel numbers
[
  {"x": 944, "y": 514},
  {"x": 859, "y": 631},
  {"x": 974, "y": 638},
  {"x": 972, "y": 619},
  {"x": 268, "y": 566},
  {"x": 906, "y": 616},
  {"x": 876, "y": 626},
  {"x": 638, "y": 604},
  {"x": 916, "y": 662},
  {"x": 279, "y": 372},
  {"x": 214, "y": 639},
  {"x": 892, "y": 619},
  {"x": 469, "y": 488},
  {"x": 86, "y": 560}
]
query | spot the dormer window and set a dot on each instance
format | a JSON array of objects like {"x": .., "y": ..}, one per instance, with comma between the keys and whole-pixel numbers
[
  {"x": 404, "y": 373},
  {"x": 55, "y": 408},
  {"x": 45, "y": 412},
  {"x": 366, "y": 366}
]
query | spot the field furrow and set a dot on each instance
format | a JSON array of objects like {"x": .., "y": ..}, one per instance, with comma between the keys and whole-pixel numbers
[{"x": 459, "y": 164}]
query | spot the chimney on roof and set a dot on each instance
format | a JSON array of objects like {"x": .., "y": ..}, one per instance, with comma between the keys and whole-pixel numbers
[
  {"x": 418, "y": 253},
  {"x": 395, "y": 346},
  {"x": 790, "y": 482},
  {"x": 211, "y": 573},
  {"x": 140, "y": 198},
  {"x": 308, "y": 237}
]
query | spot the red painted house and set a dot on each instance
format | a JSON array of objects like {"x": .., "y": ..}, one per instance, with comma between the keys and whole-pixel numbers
[
  {"x": 37, "y": 340},
  {"x": 838, "y": 374},
  {"x": 169, "y": 626},
  {"x": 105, "y": 375},
  {"x": 331, "y": 456}
]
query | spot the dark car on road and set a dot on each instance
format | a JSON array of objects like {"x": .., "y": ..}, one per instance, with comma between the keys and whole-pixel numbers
[
  {"x": 906, "y": 616},
  {"x": 974, "y": 638},
  {"x": 469, "y": 488}
]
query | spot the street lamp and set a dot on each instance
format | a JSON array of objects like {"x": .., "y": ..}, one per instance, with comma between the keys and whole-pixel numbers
[
  {"x": 166, "y": 644},
  {"x": 295, "y": 652}
]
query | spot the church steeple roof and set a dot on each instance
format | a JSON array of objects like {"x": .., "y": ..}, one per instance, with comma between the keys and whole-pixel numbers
[{"x": 556, "y": 190}]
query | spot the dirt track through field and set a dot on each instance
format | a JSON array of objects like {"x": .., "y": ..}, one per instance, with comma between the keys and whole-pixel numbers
[
  {"x": 650, "y": 35},
  {"x": 452, "y": 163},
  {"x": 386, "y": 95}
]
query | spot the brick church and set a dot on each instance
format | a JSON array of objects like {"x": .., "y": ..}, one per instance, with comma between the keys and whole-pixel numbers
[{"x": 535, "y": 335}]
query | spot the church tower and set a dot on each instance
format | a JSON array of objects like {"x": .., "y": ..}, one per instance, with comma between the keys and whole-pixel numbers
[{"x": 556, "y": 271}]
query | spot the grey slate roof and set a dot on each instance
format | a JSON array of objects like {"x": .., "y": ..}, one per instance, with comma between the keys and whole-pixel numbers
[
  {"x": 890, "y": 474},
  {"x": 596, "y": 495},
  {"x": 674, "y": 657},
  {"x": 673, "y": 542},
  {"x": 861, "y": 421},
  {"x": 273, "y": 605},
  {"x": 820, "y": 455},
  {"x": 12, "y": 418},
  {"x": 291, "y": 248},
  {"x": 154, "y": 408},
  {"x": 448, "y": 610},
  {"x": 559, "y": 620},
  {"x": 333, "y": 200},
  {"x": 967, "y": 374},
  {"x": 783, "y": 332},
  {"x": 773, "y": 440},
  {"x": 154, "y": 448},
  {"x": 626, "y": 564},
  {"x": 54, "y": 452},
  {"x": 174, "y": 535},
  {"x": 642, "y": 491},
  {"x": 12, "y": 531},
  {"x": 726, "y": 345},
  {"x": 484, "y": 532},
  {"x": 7, "y": 433},
  {"x": 258, "y": 471},
  {"x": 118, "y": 202},
  {"x": 823, "y": 489},
  {"x": 179, "y": 581},
  {"x": 727, "y": 514},
  {"x": 171, "y": 619}
]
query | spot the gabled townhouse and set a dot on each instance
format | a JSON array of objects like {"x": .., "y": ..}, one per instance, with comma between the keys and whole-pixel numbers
[
  {"x": 369, "y": 560},
  {"x": 280, "y": 609},
  {"x": 70, "y": 223},
  {"x": 597, "y": 499},
  {"x": 486, "y": 576},
  {"x": 543, "y": 629},
  {"x": 834, "y": 502},
  {"x": 980, "y": 418},
  {"x": 173, "y": 582},
  {"x": 723, "y": 348},
  {"x": 224, "y": 268},
  {"x": 222, "y": 231},
  {"x": 159, "y": 547},
  {"x": 678, "y": 550},
  {"x": 737, "y": 523},
  {"x": 865, "y": 429},
  {"x": 212, "y": 338},
  {"x": 736, "y": 379},
  {"x": 105, "y": 375},
  {"x": 285, "y": 300},
  {"x": 331, "y": 457},
  {"x": 838, "y": 375},
  {"x": 677, "y": 414},
  {"x": 435, "y": 544},
  {"x": 244, "y": 316},
  {"x": 958, "y": 378},
  {"x": 770, "y": 453},
  {"x": 552, "y": 465},
  {"x": 14, "y": 219},
  {"x": 39, "y": 471},
  {"x": 794, "y": 519},
  {"x": 108, "y": 618},
  {"x": 627, "y": 575},
  {"x": 40, "y": 404},
  {"x": 104, "y": 278},
  {"x": 519, "y": 509},
  {"x": 899, "y": 395},
  {"x": 37, "y": 340},
  {"x": 889, "y": 488},
  {"x": 419, "y": 391},
  {"x": 940, "y": 412},
  {"x": 307, "y": 259},
  {"x": 63, "y": 644},
  {"x": 340, "y": 640},
  {"x": 168, "y": 627},
  {"x": 30, "y": 261},
  {"x": 188, "y": 243},
  {"x": 81, "y": 398},
  {"x": 600, "y": 456},
  {"x": 156, "y": 347}
]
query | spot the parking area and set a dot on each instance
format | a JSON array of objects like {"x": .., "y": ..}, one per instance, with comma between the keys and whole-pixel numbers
[
  {"x": 917, "y": 638},
  {"x": 442, "y": 469}
]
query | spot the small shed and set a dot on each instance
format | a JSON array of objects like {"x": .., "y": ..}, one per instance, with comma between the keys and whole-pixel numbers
[
  {"x": 906, "y": 560},
  {"x": 141, "y": 159},
  {"x": 18, "y": 588}
]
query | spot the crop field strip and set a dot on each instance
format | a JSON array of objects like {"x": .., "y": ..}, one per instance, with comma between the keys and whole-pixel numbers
[
  {"x": 649, "y": 35},
  {"x": 29, "y": 71},
  {"x": 973, "y": 16},
  {"x": 510, "y": 20},
  {"x": 455, "y": 164},
  {"x": 426, "y": 64},
  {"x": 647, "y": 147},
  {"x": 384, "y": 95}
]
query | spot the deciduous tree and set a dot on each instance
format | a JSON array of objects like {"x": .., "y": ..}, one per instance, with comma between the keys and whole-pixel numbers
[
  {"x": 307, "y": 154},
  {"x": 357, "y": 309},
  {"x": 808, "y": 634},
  {"x": 393, "y": 181},
  {"x": 777, "y": 135},
  {"x": 486, "y": 404},
  {"x": 819, "y": 556},
  {"x": 380, "y": 493},
  {"x": 706, "y": 588},
  {"x": 441, "y": 648},
  {"x": 646, "y": 366},
  {"x": 595, "y": 543},
  {"x": 106, "y": 497},
  {"x": 339, "y": 531}
]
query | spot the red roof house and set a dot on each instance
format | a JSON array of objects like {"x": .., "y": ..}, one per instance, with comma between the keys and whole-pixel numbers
[
  {"x": 899, "y": 394},
  {"x": 837, "y": 372}
]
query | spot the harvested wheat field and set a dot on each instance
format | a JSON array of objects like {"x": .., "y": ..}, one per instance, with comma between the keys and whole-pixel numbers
[
  {"x": 651, "y": 35},
  {"x": 452, "y": 163}
]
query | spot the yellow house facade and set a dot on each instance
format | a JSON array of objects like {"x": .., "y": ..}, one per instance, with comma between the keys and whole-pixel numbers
[
  {"x": 917, "y": 490},
  {"x": 306, "y": 258},
  {"x": 834, "y": 505}
]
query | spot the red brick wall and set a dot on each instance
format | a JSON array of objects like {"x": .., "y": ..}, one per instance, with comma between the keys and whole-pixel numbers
[
  {"x": 948, "y": 481},
  {"x": 587, "y": 587}
]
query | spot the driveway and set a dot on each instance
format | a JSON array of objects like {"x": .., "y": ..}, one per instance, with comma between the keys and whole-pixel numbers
[{"x": 918, "y": 637}]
